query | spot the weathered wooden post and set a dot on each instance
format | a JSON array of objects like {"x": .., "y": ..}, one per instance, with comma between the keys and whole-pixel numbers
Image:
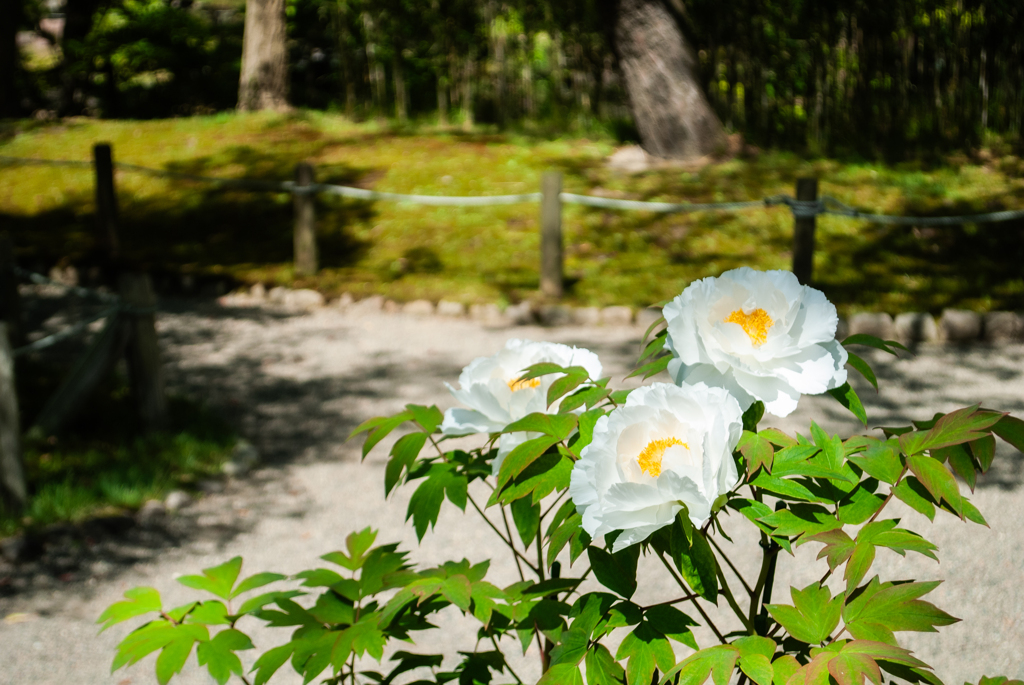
[
  {"x": 143, "y": 353},
  {"x": 106, "y": 201},
  {"x": 13, "y": 491},
  {"x": 10, "y": 305},
  {"x": 803, "y": 230},
  {"x": 551, "y": 234},
  {"x": 305, "y": 222}
]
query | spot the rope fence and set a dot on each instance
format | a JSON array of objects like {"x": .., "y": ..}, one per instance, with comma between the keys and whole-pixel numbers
[{"x": 805, "y": 208}]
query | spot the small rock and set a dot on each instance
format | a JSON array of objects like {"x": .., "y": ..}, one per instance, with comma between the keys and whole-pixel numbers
[
  {"x": 210, "y": 485},
  {"x": 177, "y": 499},
  {"x": 368, "y": 305},
  {"x": 879, "y": 325},
  {"x": 101, "y": 568},
  {"x": 151, "y": 512},
  {"x": 959, "y": 325},
  {"x": 278, "y": 295},
  {"x": 345, "y": 301},
  {"x": 391, "y": 307},
  {"x": 647, "y": 316},
  {"x": 65, "y": 276},
  {"x": 631, "y": 159},
  {"x": 419, "y": 308},
  {"x": 617, "y": 316},
  {"x": 586, "y": 316},
  {"x": 1003, "y": 327},
  {"x": 554, "y": 315},
  {"x": 446, "y": 308},
  {"x": 520, "y": 314},
  {"x": 912, "y": 327},
  {"x": 304, "y": 299},
  {"x": 258, "y": 292},
  {"x": 489, "y": 314},
  {"x": 12, "y": 548},
  {"x": 243, "y": 458}
]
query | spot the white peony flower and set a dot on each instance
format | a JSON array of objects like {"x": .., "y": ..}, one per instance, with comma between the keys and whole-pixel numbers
[
  {"x": 759, "y": 334},
  {"x": 667, "y": 446},
  {"x": 495, "y": 396}
]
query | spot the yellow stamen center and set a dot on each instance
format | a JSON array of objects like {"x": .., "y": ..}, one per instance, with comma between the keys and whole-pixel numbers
[
  {"x": 755, "y": 324},
  {"x": 650, "y": 458},
  {"x": 518, "y": 384}
]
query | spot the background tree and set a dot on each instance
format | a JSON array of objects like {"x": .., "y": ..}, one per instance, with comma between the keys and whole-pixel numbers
[
  {"x": 9, "y": 20},
  {"x": 263, "y": 82}
]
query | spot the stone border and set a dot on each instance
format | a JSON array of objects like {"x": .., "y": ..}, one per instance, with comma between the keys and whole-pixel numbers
[{"x": 910, "y": 328}]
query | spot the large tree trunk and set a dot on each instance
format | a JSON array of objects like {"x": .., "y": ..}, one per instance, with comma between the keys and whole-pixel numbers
[
  {"x": 9, "y": 66},
  {"x": 78, "y": 16},
  {"x": 264, "y": 80},
  {"x": 671, "y": 112}
]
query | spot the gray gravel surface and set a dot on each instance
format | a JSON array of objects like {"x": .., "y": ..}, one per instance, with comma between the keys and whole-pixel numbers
[{"x": 297, "y": 384}]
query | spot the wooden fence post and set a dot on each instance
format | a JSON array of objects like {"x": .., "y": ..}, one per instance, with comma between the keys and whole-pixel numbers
[
  {"x": 551, "y": 234},
  {"x": 803, "y": 231},
  {"x": 305, "y": 222},
  {"x": 13, "y": 492},
  {"x": 10, "y": 304},
  {"x": 143, "y": 353},
  {"x": 106, "y": 201}
]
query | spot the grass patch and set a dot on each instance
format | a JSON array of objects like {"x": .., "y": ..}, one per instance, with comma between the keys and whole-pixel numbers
[
  {"x": 104, "y": 463},
  {"x": 491, "y": 254}
]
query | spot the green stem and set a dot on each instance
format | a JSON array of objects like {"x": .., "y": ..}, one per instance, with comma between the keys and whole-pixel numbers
[
  {"x": 498, "y": 649},
  {"x": 693, "y": 599},
  {"x": 497, "y": 532},
  {"x": 732, "y": 600},
  {"x": 511, "y": 543},
  {"x": 769, "y": 551},
  {"x": 557, "y": 500},
  {"x": 730, "y": 564}
]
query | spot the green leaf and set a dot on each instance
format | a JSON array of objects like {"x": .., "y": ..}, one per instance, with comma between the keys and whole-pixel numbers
[
  {"x": 521, "y": 457},
  {"x": 653, "y": 368},
  {"x": 218, "y": 655},
  {"x": 429, "y": 418},
  {"x": 173, "y": 656},
  {"x": 357, "y": 544},
  {"x": 562, "y": 674},
  {"x": 617, "y": 572},
  {"x": 960, "y": 426},
  {"x": 861, "y": 503},
  {"x": 558, "y": 426},
  {"x": 801, "y": 519},
  {"x": 881, "y": 460},
  {"x": 847, "y": 397},
  {"x": 719, "y": 662},
  {"x": 784, "y": 667},
  {"x": 757, "y": 452},
  {"x": 526, "y": 516},
  {"x": 646, "y": 650},
  {"x": 938, "y": 481},
  {"x": 911, "y": 492},
  {"x": 574, "y": 377},
  {"x": 984, "y": 451},
  {"x": 217, "y": 580},
  {"x": 758, "y": 668},
  {"x": 753, "y": 415},
  {"x": 588, "y": 396},
  {"x": 603, "y": 669},
  {"x": 209, "y": 613},
  {"x": 546, "y": 474},
  {"x": 561, "y": 535},
  {"x": 270, "y": 661},
  {"x": 777, "y": 437},
  {"x": 863, "y": 368},
  {"x": 141, "y": 600},
  {"x": 672, "y": 623},
  {"x": 694, "y": 559},
  {"x": 1010, "y": 429},
  {"x": 883, "y": 608},
  {"x": 813, "y": 617},
  {"x": 889, "y": 346},
  {"x": 260, "y": 601},
  {"x": 256, "y": 581},
  {"x": 403, "y": 456},
  {"x": 425, "y": 503},
  {"x": 379, "y": 428}
]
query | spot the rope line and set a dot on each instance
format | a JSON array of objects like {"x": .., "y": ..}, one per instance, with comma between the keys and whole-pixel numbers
[
  {"x": 801, "y": 209},
  {"x": 68, "y": 332}
]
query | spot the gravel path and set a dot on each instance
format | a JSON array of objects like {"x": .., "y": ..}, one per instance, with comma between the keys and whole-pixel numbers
[{"x": 297, "y": 384}]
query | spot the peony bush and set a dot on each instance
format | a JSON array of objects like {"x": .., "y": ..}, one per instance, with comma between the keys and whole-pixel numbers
[{"x": 583, "y": 480}]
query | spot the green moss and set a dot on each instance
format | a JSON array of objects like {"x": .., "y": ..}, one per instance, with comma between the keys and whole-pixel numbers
[{"x": 491, "y": 253}]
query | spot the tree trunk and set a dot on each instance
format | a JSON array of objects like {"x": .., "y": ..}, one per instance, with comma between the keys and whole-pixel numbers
[
  {"x": 672, "y": 113},
  {"x": 78, "y": 16},
  {"x": 263, "y": 83},
  {"x": 9, "y": 59},
  {"x": 401, "y": 102}
]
